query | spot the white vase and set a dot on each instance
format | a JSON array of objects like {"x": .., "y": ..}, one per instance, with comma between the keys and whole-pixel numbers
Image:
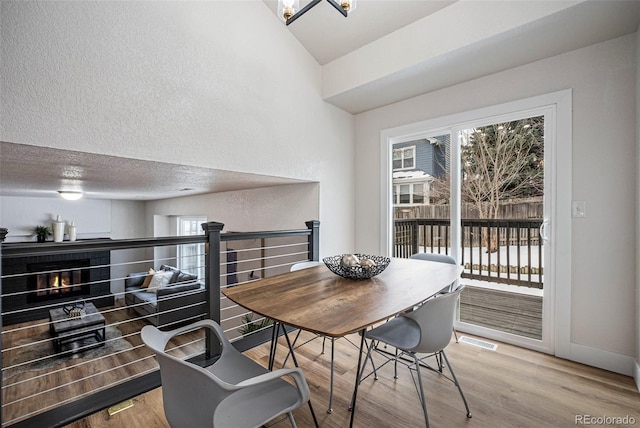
[
  {"x": 58, "y": 230},
  {"x": 72, "y": 232}
]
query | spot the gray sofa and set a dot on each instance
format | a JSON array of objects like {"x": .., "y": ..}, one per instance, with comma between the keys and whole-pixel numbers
[{"x": 181, "y": 300}]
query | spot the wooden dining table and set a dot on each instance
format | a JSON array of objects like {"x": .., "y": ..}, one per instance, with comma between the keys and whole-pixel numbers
[{"x": 319, "y": 301}]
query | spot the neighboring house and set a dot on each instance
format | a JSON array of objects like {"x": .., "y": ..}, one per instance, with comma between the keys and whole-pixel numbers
[{"x": 415, "y": 166}]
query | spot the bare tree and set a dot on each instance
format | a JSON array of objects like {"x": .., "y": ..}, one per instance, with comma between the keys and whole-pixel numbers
[{"x": 501, "y": 162}]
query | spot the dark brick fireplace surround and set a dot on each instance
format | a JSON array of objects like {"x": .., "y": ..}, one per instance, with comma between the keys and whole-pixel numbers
[{"x": 18, "y": 306}]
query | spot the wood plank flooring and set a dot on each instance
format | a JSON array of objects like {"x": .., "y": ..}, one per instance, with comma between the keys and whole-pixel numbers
[{"x": 509, "y": 387}]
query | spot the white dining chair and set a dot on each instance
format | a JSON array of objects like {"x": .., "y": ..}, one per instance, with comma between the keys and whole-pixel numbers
[{"x": 426, "y": 330}]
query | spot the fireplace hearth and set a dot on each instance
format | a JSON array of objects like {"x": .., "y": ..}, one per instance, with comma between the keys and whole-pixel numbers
[{"x": 33, "y": 285}]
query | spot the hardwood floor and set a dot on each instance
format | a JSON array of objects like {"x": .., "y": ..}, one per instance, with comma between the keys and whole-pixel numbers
[{"x": 509, "y": 387}]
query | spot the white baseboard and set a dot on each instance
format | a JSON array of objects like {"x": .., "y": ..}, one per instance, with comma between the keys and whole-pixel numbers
[
  {"x": 599, "y": 358},
  {"x": 606, "y": 360}
]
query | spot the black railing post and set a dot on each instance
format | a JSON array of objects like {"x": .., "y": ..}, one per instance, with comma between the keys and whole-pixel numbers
[
  {"x": 212, "y": 282},
  {"x": 314, "y": 239},
  {"x": 3, "y": 234},
  {"x": 415, "y": 248}
]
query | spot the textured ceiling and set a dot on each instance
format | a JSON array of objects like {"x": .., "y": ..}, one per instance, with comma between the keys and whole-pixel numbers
[{"x": 41, "y": 172}]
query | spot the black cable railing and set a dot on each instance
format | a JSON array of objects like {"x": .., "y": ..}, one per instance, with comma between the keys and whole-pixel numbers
[
  {"x": 502, "y": 251},
  {"x": 57, "y": 368}
]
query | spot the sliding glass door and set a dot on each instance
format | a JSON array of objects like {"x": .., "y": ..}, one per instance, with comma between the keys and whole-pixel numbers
[{"x": 476, "y": 190}]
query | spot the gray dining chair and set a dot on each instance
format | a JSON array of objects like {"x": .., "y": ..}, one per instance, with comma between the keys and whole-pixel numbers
[
  {"x": 440, "y": 258},
  {"x": 234, "y": 391},
  {"x": 426, "y": 330}
]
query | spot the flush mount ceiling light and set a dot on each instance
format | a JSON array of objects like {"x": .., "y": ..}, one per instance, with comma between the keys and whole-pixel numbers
[
  {"x": 289, "y": 10},
  {"x": 69, "y": 195}
]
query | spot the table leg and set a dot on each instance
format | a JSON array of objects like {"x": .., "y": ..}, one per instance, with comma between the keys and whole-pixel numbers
[
  {"x": 295, "y": 362},
  {"x": 101, "y": 335},
  {"x": 274, "y": 338},
  {"x": 333, "y": 342},
  {"x": 355, "y": 389}
]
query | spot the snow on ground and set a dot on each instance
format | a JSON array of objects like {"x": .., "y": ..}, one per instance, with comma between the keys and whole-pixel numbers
[{"x": 481, "y": 257}]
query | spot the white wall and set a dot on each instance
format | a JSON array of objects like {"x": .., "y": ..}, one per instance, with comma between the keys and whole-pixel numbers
[
  {"x": 180, "y": 82},
  {"x": 127, "y": 221},
  {"x": 269, "y": 208},
  {"x": 603, "y": 161},
  {"x": 92, "y": 217}
]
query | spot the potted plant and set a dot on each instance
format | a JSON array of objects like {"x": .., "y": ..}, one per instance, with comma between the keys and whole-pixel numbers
[
  {"x": 249, "y": 325},
  {"x": 42, "y": 232}
]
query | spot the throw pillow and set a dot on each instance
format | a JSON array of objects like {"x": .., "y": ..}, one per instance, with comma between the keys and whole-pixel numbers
[
  {"x": 160, "y": 279},
  {"x": 148, "y": 278}
]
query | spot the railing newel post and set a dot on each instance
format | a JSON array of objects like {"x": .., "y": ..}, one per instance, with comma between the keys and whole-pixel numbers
[
  {"x": 213, "y": 231},
  {"x": 314, "y": 239},
  {"x": 416, "y": 237}
]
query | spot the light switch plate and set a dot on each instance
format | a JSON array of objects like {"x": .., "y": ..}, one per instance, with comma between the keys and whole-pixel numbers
[{"x": 578, "y": 209}]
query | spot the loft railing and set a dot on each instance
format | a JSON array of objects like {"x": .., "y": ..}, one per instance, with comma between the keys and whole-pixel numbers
[
  {"x": 503, "y": 251},
  {"x": 42, "y": 387}
]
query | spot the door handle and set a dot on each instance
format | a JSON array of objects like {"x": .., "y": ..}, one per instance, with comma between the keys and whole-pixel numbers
[{"x": 544, "y": 231}]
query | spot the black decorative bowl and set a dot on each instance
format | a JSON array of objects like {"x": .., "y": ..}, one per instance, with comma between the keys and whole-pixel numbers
[{"x": 334, "y": 263}]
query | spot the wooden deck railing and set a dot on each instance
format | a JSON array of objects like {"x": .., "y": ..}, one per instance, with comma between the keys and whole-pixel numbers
[{"x": 503, "y": 251}]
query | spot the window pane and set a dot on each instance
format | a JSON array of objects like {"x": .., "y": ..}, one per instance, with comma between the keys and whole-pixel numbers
[
  {"x": 191, "y": 256},
  {"x": 418, "y": 193},
  {"x": 405, "y": 194},
  {"x": 408, "y": 155}
]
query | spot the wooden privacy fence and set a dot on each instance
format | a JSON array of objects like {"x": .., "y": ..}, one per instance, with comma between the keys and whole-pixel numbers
[{"x": 516, "y": 209}]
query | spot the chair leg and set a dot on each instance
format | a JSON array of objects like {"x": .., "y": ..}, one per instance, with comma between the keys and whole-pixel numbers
[
  {"x": 455, "y": 333},
  {"x": 423, "y": 400},
  {"x": 455, "y": 381},
  {"x": 291, "y": 420},
  {"x": 375, "y": 371},
  {"x": 439, "y": 361},
  {"x": 395, "y": 365}
]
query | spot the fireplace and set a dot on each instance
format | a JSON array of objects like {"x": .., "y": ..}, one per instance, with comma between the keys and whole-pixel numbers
[
  {"x": 32, "y": 285},
  {"x": 58, "y": 280}
]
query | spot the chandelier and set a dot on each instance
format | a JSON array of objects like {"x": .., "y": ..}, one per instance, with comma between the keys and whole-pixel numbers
[{"x": 289, "y": 10}]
